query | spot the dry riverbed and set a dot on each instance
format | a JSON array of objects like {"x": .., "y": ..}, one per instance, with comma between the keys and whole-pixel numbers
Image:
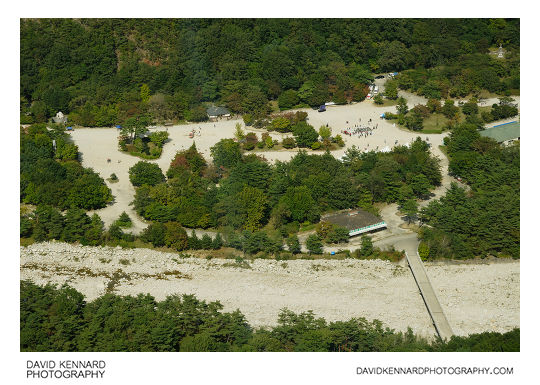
[{"x": 476, "y": 297}]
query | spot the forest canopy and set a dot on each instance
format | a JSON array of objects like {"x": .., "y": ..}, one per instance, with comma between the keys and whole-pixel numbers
[
  {"x": 59, "y": 319},
  {"x": 485, "y": 220},
  {"x": 51, "y": 173},
  {"x": 104, "y": 71}
]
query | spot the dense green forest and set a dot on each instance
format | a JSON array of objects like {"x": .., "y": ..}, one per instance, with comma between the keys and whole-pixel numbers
[
  {"x": 485, "y": 220},
  {"x": 245, "y": 192},
  {"x": 51, "y": 173},
  {"x": 105, "y": 71},
  {"x": 59, "y": 319}
]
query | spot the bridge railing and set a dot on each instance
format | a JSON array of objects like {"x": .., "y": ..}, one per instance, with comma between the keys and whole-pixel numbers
[{"x": 367, "y": 228}]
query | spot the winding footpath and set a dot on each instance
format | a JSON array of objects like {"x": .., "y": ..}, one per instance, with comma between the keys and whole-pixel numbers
[{"x": 404, "y": 239}]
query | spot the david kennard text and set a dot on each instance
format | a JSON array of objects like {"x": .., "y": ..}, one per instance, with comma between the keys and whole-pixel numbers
[{"x": 65, "y": 369}]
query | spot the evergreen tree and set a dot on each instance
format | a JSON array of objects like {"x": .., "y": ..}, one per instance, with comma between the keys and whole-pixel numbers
[
  {"x": 314, "y": 244},
  {"x": 206, "y": 242},
  {"x": 217, "y": 243},
  {"x": 124, "y": 220},
  {"x": 293, "y": 244},
  {"x": 48, "y": 223},
  {"x": 366, "y": 248},
  {"x": 94, "y": 233},
  {"x": 76, "y": 225},
  {"x": 194, "y": 243}
]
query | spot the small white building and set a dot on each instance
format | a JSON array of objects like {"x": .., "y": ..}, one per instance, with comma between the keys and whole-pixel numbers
[{"x": 60, "y": 118}]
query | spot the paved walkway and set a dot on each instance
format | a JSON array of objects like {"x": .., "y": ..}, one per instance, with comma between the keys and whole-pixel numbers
[{"x": 442, "y": 327}]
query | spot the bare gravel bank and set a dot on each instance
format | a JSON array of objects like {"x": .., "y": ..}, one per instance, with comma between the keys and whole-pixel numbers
[{"x": 476, "y": 297}]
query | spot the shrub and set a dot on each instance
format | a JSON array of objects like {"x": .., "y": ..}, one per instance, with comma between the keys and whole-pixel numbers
[
  {"x": 434, "y": 105},
  {"x": 248, "y": 119},
  {"x": 323, "y": 228},
  {"x": 158, "y": 138},
  {"x": 316, "y": 145},
  {"x": 281, "y": 124},
  {"x": 421, "y": 110},
  {"x": 423, "y": 250},
  {"x": 250, "y": 141},
  {"x": 390, "y": 116},
  {"x": 338, "y": 140},
  {"x": 155, "y": 234},
  {"x": 289, "y": 143},
  {"x": 175, "y": 236}
]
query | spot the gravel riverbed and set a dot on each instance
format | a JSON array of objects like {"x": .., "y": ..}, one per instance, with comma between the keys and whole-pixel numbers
[{"x": 475, "y": 297}]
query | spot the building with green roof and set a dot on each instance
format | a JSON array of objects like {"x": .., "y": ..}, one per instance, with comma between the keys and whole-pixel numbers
[{"x": 503, "y": 133}]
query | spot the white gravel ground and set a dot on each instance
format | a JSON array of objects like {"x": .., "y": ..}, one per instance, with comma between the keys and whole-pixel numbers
[{"x": 476, "y": 297}]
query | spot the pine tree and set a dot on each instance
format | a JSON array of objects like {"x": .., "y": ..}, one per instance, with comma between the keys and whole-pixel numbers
[
  {"x": 217, "y": 243},
  {"x": 94, "y": 233},
  {"x": 206, "y": 242},
  {"x": 293, "y": 244}
]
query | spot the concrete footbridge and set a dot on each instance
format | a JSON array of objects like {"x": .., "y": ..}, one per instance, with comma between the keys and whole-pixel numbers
[{"x": 410, "y": 246}]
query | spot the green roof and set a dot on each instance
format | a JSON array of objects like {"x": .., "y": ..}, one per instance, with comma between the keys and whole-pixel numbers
[{"x": 502, "y": 132}]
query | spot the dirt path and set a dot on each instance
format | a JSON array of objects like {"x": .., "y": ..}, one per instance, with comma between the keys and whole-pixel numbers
[{"x": 96, "y": 145}]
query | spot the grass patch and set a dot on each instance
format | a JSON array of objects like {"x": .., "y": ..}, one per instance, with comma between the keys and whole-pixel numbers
[
  {"x": 444, "y": 149},
  {"x": 434, "y": 122},
  {"x": 386, "y": 103},
  {"x": 124, "y": 261}
]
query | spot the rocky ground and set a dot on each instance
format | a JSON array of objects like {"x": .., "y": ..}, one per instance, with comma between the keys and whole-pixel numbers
[{"x": 476, "y": 297}]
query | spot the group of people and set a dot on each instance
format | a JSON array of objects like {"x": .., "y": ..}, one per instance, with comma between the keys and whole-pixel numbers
[{"x": 360, "y": 130}]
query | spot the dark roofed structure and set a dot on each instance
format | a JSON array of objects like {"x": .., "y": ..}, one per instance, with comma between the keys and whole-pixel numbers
[
  {"x": 215, "y": 111},
  {"x": 356, "y": 221}
]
